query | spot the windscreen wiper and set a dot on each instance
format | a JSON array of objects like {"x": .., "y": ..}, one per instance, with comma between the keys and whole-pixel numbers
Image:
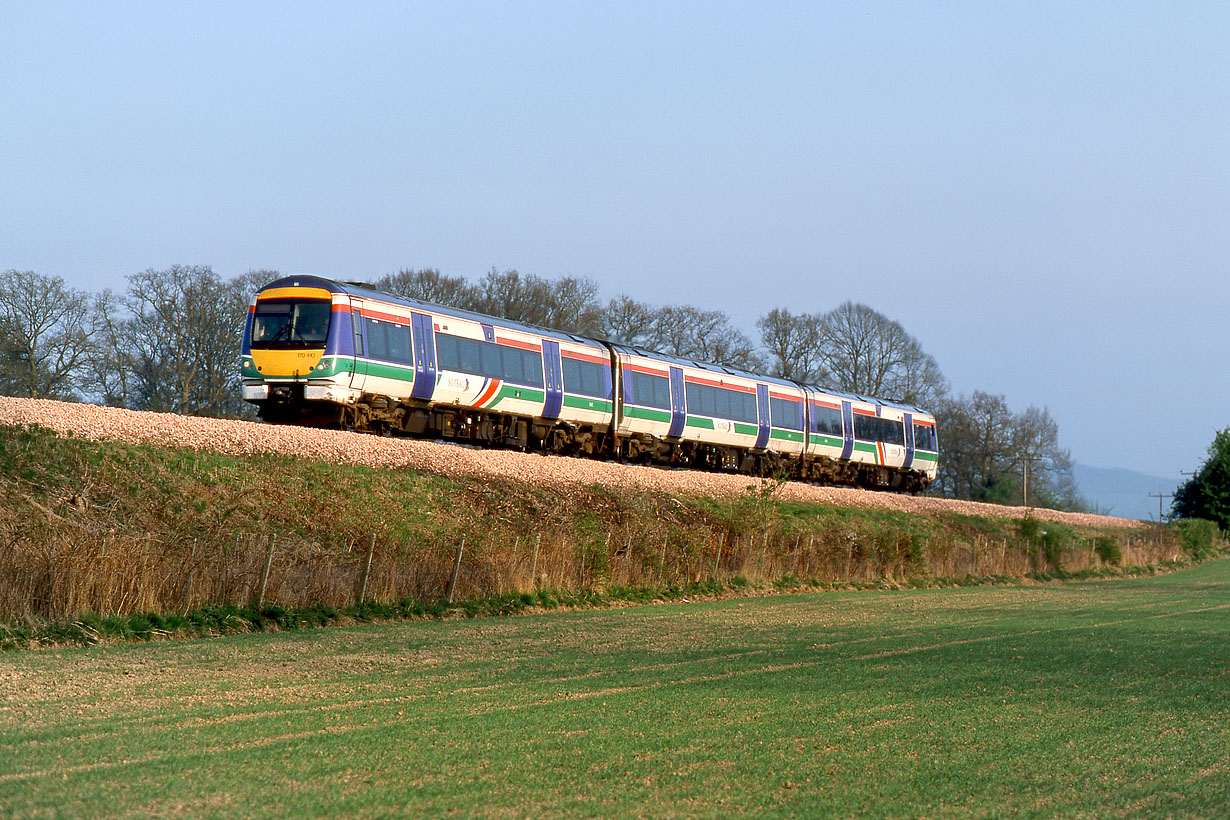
[{"x": 287, "y": 329}]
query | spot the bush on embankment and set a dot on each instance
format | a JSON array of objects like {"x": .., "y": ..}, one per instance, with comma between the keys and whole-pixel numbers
[{"x": 122, "y": 529}]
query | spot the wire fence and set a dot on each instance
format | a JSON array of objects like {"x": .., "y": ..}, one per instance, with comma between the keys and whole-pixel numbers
[{"x": 57, "y": 572}]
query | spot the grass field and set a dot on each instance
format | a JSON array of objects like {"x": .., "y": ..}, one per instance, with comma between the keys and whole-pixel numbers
[{"x": 1065, "y": 700}]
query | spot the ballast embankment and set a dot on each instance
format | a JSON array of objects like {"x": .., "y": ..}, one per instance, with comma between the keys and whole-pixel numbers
[{"x": 234, "y": 437}]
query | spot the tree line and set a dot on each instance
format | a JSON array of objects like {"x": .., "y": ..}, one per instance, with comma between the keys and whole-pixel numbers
[{"x": 169, "y": 342}]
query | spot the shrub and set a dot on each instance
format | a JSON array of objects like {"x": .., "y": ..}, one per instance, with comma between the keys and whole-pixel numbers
[
  {"x": 1053, "y": 542},
  {"x": 1199, "y": 538},
  {"x": 1108, "y": 550},
  {"x": 1207, "y": 494},
  {"x": 915, "y": 555},
  {"x": 1029, "y": 527}
]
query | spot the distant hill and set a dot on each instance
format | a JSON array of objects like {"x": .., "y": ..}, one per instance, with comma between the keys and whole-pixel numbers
[{"x": 1123, "y": 493}]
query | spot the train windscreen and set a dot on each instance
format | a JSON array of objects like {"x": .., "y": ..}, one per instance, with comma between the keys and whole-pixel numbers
[{"x": 291, "y": 321}]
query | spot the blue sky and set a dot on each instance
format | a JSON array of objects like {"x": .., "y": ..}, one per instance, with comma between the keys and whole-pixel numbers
[{"x": 1040, "y": 192}]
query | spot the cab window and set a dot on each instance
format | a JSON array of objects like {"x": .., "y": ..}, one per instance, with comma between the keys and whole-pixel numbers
[
  {"x": 290, "y": 321},
  {"x": 924, "y": 437}
]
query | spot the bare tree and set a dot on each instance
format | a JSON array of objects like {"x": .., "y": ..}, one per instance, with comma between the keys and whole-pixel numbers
[
  {"x": 180, "y": 344},
  {"x": 975, "y": 443},
  {"x": 628, "y": 321},
  {"x": 109, "y": 367},
  {"x": 793, "y": 343},
  {"x": 1045, "y": 466},
  {"x": 510, "y": 295},
  {"x": 867, "y": 353},
  {"x": 702, "y": 335},
  {"x": 569, "y": 304},
  {"x": 432, "y": 286},
  {"x": 247, "y": 284},
  {"x": 990, "y": 453},
  {"x": 574, "y": 308},
  {"x": 685, "y": 331},
  {"x": 45, "y": 335}
]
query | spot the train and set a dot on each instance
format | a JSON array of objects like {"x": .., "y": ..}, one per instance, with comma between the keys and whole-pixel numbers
[{"x": 324, "y": 353}]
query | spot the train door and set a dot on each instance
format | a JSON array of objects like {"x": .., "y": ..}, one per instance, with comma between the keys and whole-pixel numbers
[
  {"x": 424, "y": 356},
  {"x": 617, "y": 392},
  {"x": 762, "y": 415},
  {"x": 847, "y": 430},
  {"x": 909, "y": 441},
  {"x": 552, "y": 367},
  {"x": 892, "y": 452},
  {"x": 358, "y": 375},
  {"x": 678, "y": 406}
]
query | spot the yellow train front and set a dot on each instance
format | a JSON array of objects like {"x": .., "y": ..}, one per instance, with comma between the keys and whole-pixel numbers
[{"x": 298, "y": 351}]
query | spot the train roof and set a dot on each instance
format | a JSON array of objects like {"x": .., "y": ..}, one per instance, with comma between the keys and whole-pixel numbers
[
  {"x": 709, "y": 366},
  {"x": 895, "y": 405},
  {"x": 367, "y": 291},
  {"x": 717, "y": 368}
]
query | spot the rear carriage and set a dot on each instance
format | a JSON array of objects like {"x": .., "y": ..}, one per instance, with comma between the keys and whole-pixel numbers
[{"x": 706, "y": 415}]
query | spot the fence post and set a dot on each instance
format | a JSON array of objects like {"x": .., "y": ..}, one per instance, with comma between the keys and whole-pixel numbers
[
  {"x": 452, "y": 582},
  {"x": 259, "y": 600},
  {"x": 367, "y": 568},
  {"x": 628, "y": 561},
  {"x": 534, "y": 562},
  {"x": 662, "y": 562},
  {"x": 717, "y": 559}
]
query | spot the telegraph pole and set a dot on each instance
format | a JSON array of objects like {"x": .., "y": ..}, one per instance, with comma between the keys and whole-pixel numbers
[{"x": 1159, "y": 497}]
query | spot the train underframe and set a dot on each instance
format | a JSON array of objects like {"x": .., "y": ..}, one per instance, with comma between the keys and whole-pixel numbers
[{"x": 386, "y": 415}]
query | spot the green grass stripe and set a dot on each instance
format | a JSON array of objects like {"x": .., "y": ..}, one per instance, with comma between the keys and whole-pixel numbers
[{"x": 1101, "y": 699}]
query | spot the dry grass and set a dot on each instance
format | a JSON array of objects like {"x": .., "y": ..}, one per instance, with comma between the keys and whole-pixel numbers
[{"x": 120, "y": 528}]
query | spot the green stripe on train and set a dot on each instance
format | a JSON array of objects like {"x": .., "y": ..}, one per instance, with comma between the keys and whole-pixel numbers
[
  {"x": 333, "y": 366},
  {"x": 827, "y": 441},
  {"x": 517, "y": 393},
  {"x": 587, "y": 403},
  {"x": 785, "y": 435},
  {"x": 646, "y": 413}
]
